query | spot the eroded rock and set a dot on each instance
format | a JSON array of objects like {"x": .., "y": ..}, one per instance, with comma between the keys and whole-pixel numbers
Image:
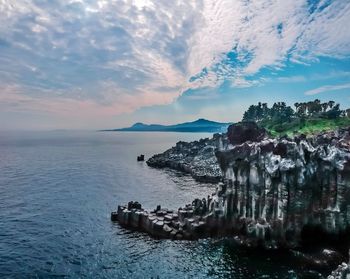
[
  {"x": 245, "y": 131},
  {"x": 196, "y": 158}
]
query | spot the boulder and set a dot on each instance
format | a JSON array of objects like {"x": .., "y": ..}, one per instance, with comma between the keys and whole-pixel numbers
[{"x": 245, "y": 131}]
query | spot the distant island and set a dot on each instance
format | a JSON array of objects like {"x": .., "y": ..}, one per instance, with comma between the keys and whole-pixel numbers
[{"x": 200, "y": 125}]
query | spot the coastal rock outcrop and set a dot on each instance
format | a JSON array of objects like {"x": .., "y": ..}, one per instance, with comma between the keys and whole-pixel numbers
[
  {"x": 274, "y": 192},
  {"x": 196, "y": 158}
]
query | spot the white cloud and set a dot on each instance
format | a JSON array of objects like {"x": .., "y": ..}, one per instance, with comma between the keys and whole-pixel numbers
[
  {"x": 327, "y": 88},
  {"x": 139, "y": 45},
  {"x": 333, "y": 74},
  {"x": 326, "y": 32},
  {"x": 144, "y": 52},
  {"x": 266, "y": 34}
]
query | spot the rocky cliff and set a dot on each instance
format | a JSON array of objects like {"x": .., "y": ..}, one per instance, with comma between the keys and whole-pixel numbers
[
  {"x": 273, "y": 191},
  {"x": 280, "y": 188}
]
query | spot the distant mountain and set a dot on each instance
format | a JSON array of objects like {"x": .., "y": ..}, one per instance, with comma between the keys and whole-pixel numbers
[{"x": 200, "y": 125}]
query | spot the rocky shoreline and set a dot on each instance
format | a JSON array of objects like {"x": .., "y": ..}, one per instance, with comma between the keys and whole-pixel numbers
[
  {"x": 196, "y": 158},
  {"x": 273, "y": 192}
]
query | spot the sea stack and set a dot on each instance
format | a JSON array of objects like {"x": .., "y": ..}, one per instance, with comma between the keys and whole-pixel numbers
[{"x": 141, "y": 158}]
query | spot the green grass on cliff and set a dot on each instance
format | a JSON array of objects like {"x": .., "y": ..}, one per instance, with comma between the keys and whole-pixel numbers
[{"x": 307, "y": 126}]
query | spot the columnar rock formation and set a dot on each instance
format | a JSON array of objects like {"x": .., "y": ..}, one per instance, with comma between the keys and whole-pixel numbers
[
  {"x": 272, "y": 189},
  {"x": 285, "y": 184}
]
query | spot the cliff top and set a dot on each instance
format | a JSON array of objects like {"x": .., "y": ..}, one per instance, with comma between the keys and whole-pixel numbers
[{"x": 307, "y": 118}]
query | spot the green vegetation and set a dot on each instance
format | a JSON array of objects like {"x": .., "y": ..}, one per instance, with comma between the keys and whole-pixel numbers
[{"x": 307, "y": 118}]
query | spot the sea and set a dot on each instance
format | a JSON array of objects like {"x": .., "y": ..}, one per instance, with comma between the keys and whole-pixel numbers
[{"x": 58, "y": 188}]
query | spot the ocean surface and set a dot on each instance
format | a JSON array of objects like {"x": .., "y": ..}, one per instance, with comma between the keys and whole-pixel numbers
[{"x": 57, "y": 190}]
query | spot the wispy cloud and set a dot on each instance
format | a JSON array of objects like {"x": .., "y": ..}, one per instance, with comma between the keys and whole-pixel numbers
[
  {"x": 327, "y": 88},
  {"x": 115, "y": 56},
  {"x": 309, "y": 77},
  {"x": 239, "y": 38}
]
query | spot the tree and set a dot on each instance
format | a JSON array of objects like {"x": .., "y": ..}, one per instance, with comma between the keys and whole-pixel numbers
[
  {"x": 331, "y": 104},
  {"x": 334, "y": 113},
  {"x": 281, "y": 112},
  {"x": 257, "y": 113},
  {"x": 302, "y": 109},
  {"x": 324, "y": 107},
  {"x": 348, "y": 113}
]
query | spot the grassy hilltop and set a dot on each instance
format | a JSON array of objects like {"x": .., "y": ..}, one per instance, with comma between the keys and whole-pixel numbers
[{"x": 307, "y": 118}]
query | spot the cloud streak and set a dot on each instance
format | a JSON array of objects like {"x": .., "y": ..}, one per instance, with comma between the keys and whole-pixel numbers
[{"x": 327, "y": 88}]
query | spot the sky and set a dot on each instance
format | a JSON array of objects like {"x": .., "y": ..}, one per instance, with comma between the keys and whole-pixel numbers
[{"x": 95, "y": 64}]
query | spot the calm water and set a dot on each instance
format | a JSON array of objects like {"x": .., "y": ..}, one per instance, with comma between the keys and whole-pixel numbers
[{"x": 57, "y": 190}]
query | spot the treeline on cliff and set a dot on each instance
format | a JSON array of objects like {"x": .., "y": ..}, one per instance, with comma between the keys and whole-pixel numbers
[{"x": 306, "y": 118}]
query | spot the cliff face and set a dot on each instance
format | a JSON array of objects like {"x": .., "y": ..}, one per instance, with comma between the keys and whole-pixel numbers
[
  {"x": 280, "y": 186},
  {"x": 273, "y": 191}
]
